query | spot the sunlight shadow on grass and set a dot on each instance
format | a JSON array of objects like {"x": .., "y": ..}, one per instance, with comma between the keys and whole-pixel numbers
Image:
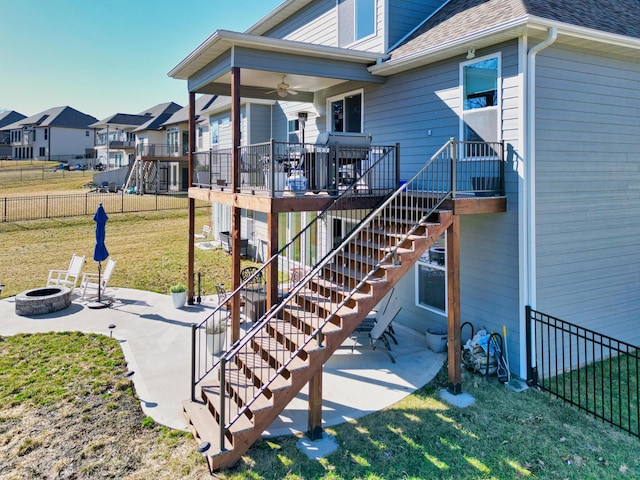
[
  {"x": 413, "y": 444},
  {"x": 521, "y": 471},
  {"x": 477, "y": 464},
  {"x": 457, "y": 426}
]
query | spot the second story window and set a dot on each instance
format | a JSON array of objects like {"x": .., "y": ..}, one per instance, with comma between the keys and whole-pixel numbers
[
  {"x": 356, "y": 20},
  {"x": 46, "y": 133},
  {"x": 480, "y": 85}
]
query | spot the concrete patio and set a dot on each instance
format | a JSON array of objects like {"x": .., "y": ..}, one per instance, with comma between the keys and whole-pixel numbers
[{"x": 156, "y": 341}]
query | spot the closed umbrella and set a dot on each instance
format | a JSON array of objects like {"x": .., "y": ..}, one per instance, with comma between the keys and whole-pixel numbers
[{"x": 100, "y": 253}]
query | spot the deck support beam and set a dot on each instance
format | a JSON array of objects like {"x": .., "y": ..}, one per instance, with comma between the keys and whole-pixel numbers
[
  {"x": 192, "y": 202},
  {"x": 235, "y": 211},
  {"x": 272, "y": 269},
  {"x": 314, "y": 420},
  {"x": 453, "y": 293}
]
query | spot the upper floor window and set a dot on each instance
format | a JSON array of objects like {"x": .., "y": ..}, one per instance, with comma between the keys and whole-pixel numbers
[
  {"x": 293, "y": 127},
  {"x": 356, "y": 20},
  {"x": 214, "y": 132},
  {"x": 346, "y": 113},
  {"x": 46, "y": 133},
  {"x": 480, "y": 83}
]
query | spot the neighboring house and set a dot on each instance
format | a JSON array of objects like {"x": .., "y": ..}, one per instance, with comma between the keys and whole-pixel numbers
[
  {"x": 174, "y": 173},
  {"x": 120, "y": 133},
  {"x": 557, "y": 82},
  {"x": 57, "y": 134},
  {"x": 7, "y": 118}
]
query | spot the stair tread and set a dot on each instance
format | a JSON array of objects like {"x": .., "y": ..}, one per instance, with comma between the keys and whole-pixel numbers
[
  {"x": 296, "y": 336},
  {"x": 339, "y": 288},
  {"x": 309, "y": 318},
  {"x": 260, "y": 369},
  {"x": 203, "y": 425},
  {"x": 325, "y": 303},
  {"x": 279, "y": 352},
  {"x": 243, "y": 389},
  {"x": 211, "y": 393}
]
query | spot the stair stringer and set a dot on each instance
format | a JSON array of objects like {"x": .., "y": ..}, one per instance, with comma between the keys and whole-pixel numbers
[{"x": 239, "y": 442}]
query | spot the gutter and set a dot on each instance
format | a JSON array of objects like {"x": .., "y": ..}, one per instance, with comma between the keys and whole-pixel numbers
[{"x": 528, "y": 245}]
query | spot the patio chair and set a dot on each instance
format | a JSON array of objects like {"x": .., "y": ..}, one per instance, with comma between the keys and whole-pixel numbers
[
  {"x": 69, "y": 277},
  {"x": 376, "y": 336},
  {"x": 89, "y": 281},
  {"x": 206, "y": 231}
]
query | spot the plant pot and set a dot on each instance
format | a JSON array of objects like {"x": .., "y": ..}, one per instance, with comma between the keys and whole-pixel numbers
[
  {"x": 436, "y": 339},
  {"x": 179, "y": 299},
  {"x": 215, "y": 342}
]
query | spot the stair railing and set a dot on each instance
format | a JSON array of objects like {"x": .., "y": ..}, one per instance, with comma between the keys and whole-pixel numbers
[
  {"x": 411, "y": 203},
  {"x": 288, "y": 257}
]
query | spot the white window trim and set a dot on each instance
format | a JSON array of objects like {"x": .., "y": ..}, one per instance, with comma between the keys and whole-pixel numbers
[
  {"x": 446, "y": 284},
  {"x": 497, "y": 108},
  {"x": 342, "y": 96}
]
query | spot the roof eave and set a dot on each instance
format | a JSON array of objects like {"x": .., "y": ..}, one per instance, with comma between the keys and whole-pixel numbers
[
  {"x": 513, "y": 28},
  {"x": 228, "y": 39}
]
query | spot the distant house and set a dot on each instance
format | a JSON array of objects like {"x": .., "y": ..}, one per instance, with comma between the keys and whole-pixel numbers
[
  {"x": 119, "y": 134},
  {"x": 57, "y": 134},
  {"x": 7, "y": 118}
]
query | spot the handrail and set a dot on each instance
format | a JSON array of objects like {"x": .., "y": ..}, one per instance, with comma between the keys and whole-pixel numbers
[
  {"x": 252, "y": 279},
  {"x": 285, "y": 362},
  {"x": 426, "y": 190}
]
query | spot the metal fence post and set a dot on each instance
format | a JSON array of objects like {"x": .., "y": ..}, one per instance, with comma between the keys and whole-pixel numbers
[{"x": 454, "y": 167}]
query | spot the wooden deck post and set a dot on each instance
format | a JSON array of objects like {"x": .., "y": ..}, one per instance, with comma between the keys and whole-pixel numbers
[
  {"x": 272, "y": 270},
  {"x": 314, "y": 421},
  {"x": 236, "y": 211},
  {"x": 192, "y": 201},
  {"x": 454, "y": 352}
]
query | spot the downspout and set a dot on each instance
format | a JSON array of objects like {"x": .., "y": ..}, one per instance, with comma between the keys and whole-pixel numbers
[{"x": 529, "y": 246}]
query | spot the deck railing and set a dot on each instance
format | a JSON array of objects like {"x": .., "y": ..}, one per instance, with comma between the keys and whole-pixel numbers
[
  {"x": 160, "y": 150},
  {"x": 299, "y": 168},
  {"x": 594, "y": 372},
  {"x": 274, "y": 168}
]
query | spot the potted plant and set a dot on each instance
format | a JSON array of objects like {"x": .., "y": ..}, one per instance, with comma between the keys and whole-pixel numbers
[
  {"x": 179, "y": 295},
  {"x": 216, "y": 335}
]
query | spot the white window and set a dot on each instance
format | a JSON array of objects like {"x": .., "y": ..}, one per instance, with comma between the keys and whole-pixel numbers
[
  {"x": 480, "y": 91},
  {"x": 356, "y": 20},
  {"x": 293, "y": 129},
  {"x": 346, "y": 112},
  {"x": 431, "y": 278},
  {"x": 214, "y": 132}
]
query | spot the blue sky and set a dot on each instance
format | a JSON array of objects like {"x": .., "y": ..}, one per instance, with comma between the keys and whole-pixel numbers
[{"x": 104, "y": 57}]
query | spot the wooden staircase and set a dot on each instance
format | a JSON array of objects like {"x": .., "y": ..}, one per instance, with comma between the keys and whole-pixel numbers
[{"x": 275, "y": 360}]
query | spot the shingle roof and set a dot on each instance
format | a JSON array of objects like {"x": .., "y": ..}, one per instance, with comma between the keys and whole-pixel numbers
[
  {"x": 459, "y": 18},
  {"x": 159, "y": 114},
  {"x": 182, "y": 115},
  {"x": 56, "y": 117},
  {"x": 9, "y": 117}
]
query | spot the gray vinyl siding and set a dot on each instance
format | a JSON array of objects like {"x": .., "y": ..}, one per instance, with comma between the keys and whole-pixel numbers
[
  {"x": 405, "y": 15},
  {"x": 488, "y": 243},
  {"x": 259, "y": 123},
  {"x": 588, "y": 190},
  {"x": 314, "y": 24}
]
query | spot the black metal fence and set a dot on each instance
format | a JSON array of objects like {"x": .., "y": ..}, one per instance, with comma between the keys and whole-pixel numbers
[
  {"x": 15, "y": 209},
  {"x": 594, "y": 372}
]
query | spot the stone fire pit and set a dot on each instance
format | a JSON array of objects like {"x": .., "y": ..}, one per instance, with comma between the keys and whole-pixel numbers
[{"x": 38, "y": 301}]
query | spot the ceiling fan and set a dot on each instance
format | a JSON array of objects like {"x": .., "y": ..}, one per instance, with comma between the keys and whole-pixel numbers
[{"x": 283, "y": 89}]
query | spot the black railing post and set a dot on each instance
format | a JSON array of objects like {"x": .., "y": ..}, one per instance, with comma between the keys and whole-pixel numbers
[
  {"x": 454, "y": 165},
  {"x": 194, "y": 327},
  {"x": 531, "y": 376},
  {"x": 222, "y": 410},
  {"x": 398, "y": 165}
]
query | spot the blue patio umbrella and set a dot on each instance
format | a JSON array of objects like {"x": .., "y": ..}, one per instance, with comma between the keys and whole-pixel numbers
[{"x": 100, "y": 253}]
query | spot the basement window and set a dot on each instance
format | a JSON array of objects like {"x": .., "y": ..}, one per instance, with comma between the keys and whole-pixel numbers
[{"x": 431, "y": 278}]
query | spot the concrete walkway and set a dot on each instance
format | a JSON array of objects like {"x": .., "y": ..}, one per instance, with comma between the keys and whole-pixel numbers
[{"x": 156, "y": 341}]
